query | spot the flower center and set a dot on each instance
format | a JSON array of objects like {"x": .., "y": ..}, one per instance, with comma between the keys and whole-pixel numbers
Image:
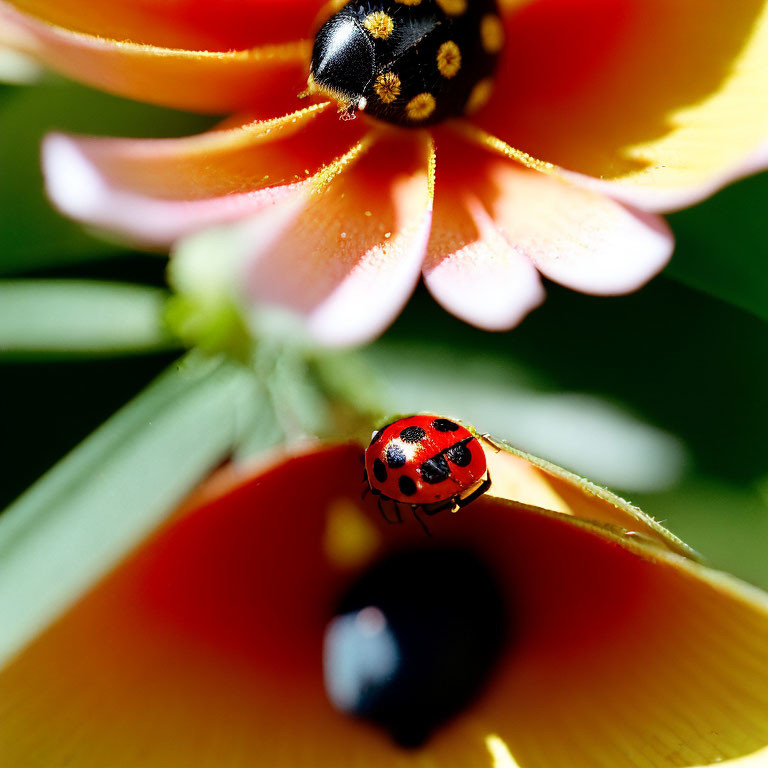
[
  {"x": 414, "y": 641},
  {"x": 408, "y": 62}
]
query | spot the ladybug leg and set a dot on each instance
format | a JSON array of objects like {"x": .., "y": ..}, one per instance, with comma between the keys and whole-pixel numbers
[
  {"x": 497, "y": 447},
  {"x": 385, "y": 516},
  {"x": 414, "y": 508},
  {"x": 366, "y": 484},
  {"x": 436, "y": 508},
  {"x": 486, "y": 484}
]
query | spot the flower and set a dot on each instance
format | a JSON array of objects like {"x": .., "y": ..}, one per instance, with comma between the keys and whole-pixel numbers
[
  {"x": 205, "y": 648},
  {"x": 634, "y": 106}
]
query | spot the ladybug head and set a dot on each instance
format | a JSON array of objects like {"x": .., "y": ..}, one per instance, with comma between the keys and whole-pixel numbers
[{"x": 343, "y": 61}]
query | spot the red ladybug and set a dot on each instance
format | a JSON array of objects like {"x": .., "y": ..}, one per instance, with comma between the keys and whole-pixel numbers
[{"x": 427, "y": 462}]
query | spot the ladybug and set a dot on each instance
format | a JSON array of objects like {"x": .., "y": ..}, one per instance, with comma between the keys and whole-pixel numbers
[
  {"x": 427, "y": 462},
  {"x": 408, "y": 62}
]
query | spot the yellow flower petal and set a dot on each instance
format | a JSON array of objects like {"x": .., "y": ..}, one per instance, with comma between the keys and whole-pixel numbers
[
  {"x": 530, "y": 480},
  {"x": 668, "y": 99}
]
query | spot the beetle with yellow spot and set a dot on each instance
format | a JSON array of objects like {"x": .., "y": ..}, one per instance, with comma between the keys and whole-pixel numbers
[{"x": 408, "y": 62}]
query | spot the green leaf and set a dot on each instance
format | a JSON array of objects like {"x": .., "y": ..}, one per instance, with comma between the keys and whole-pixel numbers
[
  {"x": 263, "y": 431},
  {"x": 114, "y": 489},
  {"x": 62, "y": 317},
  {"x": 722, "y": 246}
]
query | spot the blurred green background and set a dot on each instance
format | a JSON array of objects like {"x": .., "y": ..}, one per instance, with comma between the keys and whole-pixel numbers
[{"x": 661, "y": 395}]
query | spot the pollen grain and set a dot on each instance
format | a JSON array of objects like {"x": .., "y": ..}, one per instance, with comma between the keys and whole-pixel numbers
[
  {"x": 379, "y": 24},
  {"x": 387, "y": 87},
  {"x": 420, "y": 107},
  {"x": 479, "y": 96},
  {"x": 453, "y": 7},
  {"x": 491, "y": 33},
  {"x": 449, "y": 59}
]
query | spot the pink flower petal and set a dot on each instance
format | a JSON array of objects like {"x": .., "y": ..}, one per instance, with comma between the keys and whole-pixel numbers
[
  {"x": 155, "y": 191},
  {"x": 575, "y": 236},
  {"x": 351, "y": 258},
  {"x": 473, "y": 271}
]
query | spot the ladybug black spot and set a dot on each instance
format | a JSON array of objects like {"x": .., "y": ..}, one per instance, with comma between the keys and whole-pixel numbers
[
  {"x": 379, "y": 471},
  {"x": 412, "y": 435},
  {"x": 406, "y": 485},
  {"x": 443, "y": 425},
  {"x": 395, "y": 456},
  {"x": 435, "y": 470},
  {"x": 459, "y": 454}
]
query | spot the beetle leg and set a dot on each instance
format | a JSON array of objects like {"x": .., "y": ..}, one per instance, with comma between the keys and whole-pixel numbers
[
  {"x": 414, "y": 508},
  {"x": 486, "y": 484},
  {"x": 435, "y": 508},
  {"x": 385, "y": 516},
  {"x": 497, "y": 448}
]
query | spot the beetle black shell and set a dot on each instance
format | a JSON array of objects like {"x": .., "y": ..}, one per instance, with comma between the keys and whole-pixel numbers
[{"x": 409, "y": 62}]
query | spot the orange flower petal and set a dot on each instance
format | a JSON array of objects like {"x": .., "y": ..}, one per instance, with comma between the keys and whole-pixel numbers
[
  {"x": 666, "y": 97},
  {"x": 159, "y": 189},
  {"x": 213, "y": 25},
  {"x": 351, "y": 258},
  {"x": 266, "y": 78}
]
